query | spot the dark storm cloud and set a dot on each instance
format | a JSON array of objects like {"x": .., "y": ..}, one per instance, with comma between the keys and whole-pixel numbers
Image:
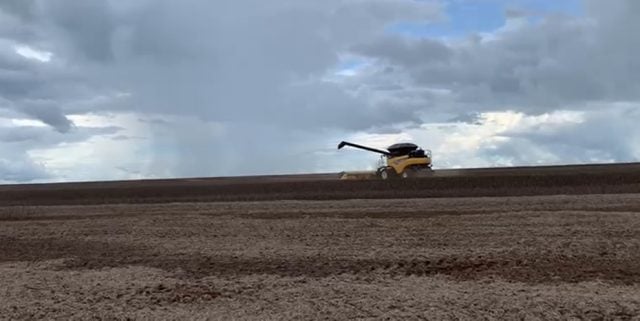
[
  {"x": 87, "y": 25},
  {"x": 406, "y": 52},
  {"x": 20, "y": 135},
  {"x": 254, "y": 67},
  {"x": 230, "y": 62},
  {"x": 213, "y": 61},
  {"x": 49, "y": 113},
  {"x": 531, "y": 66},
  {"x": 474, "y": 118},
  {"x": 259, "y": 70},
  {"x": 38, "y": 136},
  {"x": 21, "y": 8}
]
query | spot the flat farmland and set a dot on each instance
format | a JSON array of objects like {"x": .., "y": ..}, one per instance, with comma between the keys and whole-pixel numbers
[{"x": 551, "y": 243}]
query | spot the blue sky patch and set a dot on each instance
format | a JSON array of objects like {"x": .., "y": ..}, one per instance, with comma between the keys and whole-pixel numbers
[{"x": 466, "y": 17}]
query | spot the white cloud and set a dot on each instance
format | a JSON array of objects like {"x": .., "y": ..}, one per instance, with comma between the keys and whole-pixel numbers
[
  {"x": 22, "y": 122},
  {"x": 113, "y": 154},
  {"x": 477, "y": 144},
  {"x": 30, "y": 53},
  {"x": 190, "y": 88}
]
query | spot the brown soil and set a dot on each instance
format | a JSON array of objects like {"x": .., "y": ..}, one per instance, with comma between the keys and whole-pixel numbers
[
  {"x": 107, "y": 255},
  {"x": 523, "y": 181}
]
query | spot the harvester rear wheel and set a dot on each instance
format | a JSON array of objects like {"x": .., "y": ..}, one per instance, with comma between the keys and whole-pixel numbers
[{"x": 416, "y": 171}]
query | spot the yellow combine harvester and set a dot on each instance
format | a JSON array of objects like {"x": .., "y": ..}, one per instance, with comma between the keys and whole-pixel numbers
[{"x": 400, "y": 160}]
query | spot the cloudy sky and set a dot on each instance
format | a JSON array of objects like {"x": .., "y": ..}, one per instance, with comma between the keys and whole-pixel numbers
[{"x": 126, "y": 89}]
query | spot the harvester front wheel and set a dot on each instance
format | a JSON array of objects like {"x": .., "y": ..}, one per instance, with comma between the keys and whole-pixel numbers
[{"x": 385, "y": 173}]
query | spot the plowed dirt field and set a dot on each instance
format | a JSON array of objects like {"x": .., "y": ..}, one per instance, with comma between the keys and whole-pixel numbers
[{"x": 525, "y": 244}]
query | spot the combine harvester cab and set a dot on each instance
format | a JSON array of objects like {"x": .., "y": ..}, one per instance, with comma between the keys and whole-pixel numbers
[{"x": 403, "y": 160}]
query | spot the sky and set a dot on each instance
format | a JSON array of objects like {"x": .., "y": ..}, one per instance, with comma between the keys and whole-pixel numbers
[{"x": 131, "y": 89}]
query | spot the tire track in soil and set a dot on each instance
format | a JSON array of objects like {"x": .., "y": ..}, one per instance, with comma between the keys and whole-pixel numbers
[
  {"x": 82, "y": 254},
  {"x": 302, "y": 214},
  {"x": 526, "y": 270}
]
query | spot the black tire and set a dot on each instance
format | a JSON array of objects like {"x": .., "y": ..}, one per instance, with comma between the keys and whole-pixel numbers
[
  {"x": 417, "y": 171},
  {"x": 386, "y": 173},
  {"x": 412, "y": 172}
]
